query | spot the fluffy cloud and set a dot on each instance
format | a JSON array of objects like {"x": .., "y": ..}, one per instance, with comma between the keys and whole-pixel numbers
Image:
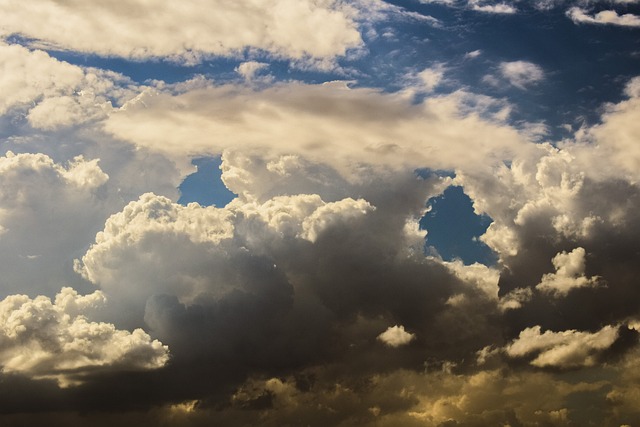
[
  {"x": 133, "y": 258},
  {"x": 569, "y": 274},
  {"x": 605, "y": 17},
  {"x": 320, "y": 30},
  {"x": 614, "y": 138},
  {"x": 54, "y": 340},
  {"x": 521, "y": 73},
  {"x": 273, "y": 306},
  {"x": 53, "y": 93},
  {"x": 48, "y": 210},
  {"x": 396, "y": 336},
  {"x": 567, "y": 349},
  {"x": 249, "y": 69}
]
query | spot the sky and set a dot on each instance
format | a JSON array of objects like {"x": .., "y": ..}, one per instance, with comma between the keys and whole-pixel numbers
[{"x": 320, "y": 213}]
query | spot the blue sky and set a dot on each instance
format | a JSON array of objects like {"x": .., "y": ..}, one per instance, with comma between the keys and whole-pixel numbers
[{"x": 319, "y": 212}]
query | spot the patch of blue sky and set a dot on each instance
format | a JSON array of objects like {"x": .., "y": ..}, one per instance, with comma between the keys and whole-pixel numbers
[
  {"x": 453, "y": 229},
  {"x": 585, "y": 66},
  {"x": 205, "y": 185}
]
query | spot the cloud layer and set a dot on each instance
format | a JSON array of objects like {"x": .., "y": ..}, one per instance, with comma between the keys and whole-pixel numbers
[{"x": 310, "y": 298}]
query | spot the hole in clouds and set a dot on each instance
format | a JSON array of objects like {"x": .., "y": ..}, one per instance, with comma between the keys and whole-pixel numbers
[
  {"x": 205, "y": 185},
  {"x": 453, "y": 228}
]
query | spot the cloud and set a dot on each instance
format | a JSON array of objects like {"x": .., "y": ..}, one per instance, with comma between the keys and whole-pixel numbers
[
  {"x": 396, "y": 336},
  {"x": 48, "y": 210},
  {"x": 473, "y": 54},
  {"x": 249, "y": 69},
  {"x": 521, "y": 73},
  {"x": 138, "y": 245},
  {"x": 447, "y": 2},
  {"x": 567, "y": 349},
  {"x": 605, "y": 17},
  {"x": 329, "y": 124},
  {"x": 54, "y": 94},
  {"x": 499, "y": 8},
  {"x": 273, "y": 306},
  {"x": 432, "y": 77},
  {"x": 297, "y": 30},
  {"x": 54, "y": 340},
  {"x": 569, "y": 274},
  {"x": 614, "y": 138},
  {"x": 547, "y": 4}
]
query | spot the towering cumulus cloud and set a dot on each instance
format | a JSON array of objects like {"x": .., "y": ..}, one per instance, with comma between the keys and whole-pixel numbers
[{"x": 399, "y": 215}]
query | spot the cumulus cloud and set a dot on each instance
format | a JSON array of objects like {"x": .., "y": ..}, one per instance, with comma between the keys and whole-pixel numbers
[
  {"x": 569, "y": 274},
  {"x": 319, "y": 30},
  {"x": 138, "y": 245},
  {"x": 605, "y": 17},
  {"x": 56, "y": 94},
  {"x": 45, "y": 339},
  {"x": 396, "y": 336},
  {"x": 48, "y": 210},
  {"x": 273, "y": 306},
  {"x": 614, "y": 138},
  {"x": 521, "y": 73},
  {"x": 566, "y": 349}
]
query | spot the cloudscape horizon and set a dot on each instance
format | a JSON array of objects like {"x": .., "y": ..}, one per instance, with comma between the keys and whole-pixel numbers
[{"x": 320, "y": 213}]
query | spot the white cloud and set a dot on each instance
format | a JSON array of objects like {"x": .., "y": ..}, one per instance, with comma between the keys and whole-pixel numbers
[
  {"x": 294, "y": 29},
  {"x": 47, "y": 213},
  {"x": 499, "y": 8},
  {"x": 545, "y": 188},
  {"x": 333, "y": 213},
  {"x": 567, "y": 349},
  {"x": 605, "y": 17},
  {"x": 473, "y": 54},
  {"x": 396, "y": 336},
  {"x": 329, "y": 124},
  {"x": 545, "y": 5},
  {"x": 569, "y": 274},
  {"x": 44, "y": 339},
  {"x": 249, "y": 69},
  {"x": 431, "y": 77},
  {"x": 53, "y": 93},
  {"x": 478, "y": 275},
  {"x": 28, "y": 75},
  {"x": 615, "y": 139},
  {"x": 139, "y": 245},
  {"x": 521, "y": 73}
]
